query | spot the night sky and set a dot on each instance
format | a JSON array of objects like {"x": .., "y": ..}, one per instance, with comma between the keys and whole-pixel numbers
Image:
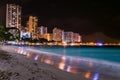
[{"x": 82, "y": 16}]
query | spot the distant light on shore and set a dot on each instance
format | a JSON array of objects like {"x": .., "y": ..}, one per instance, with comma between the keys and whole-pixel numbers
[{"x": 100, "y": 44}]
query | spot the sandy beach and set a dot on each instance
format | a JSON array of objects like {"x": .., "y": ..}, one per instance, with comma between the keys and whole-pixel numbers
[{"x": 17, "y": 67}]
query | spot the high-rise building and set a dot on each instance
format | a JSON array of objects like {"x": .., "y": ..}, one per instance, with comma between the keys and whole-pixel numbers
[
  {"x": 42, "y": 30},
  {"x": 58, "y": 34},
  {"x": 13, "y": 15},
  {"x": 68, "y": 36},
  {"x": 32, "y": 25},
  {"x": 76, "y": 37}
]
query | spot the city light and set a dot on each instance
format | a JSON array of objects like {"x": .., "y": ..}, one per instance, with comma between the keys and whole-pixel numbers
[{"x": 100, "y": 44}]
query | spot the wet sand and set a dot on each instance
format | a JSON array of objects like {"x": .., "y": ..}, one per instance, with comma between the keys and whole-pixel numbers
[{"x": 17, "y": 67}]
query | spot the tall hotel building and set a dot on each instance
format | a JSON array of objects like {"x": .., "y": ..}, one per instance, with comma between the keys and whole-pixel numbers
[
  {"x": 13, "y": 15},
  {"x": 42, "y": 30},
  {"x": 76, "y": 37},
  {"x": 32, "y": 25},
  {"x": 71, "y": 37},
  {"x": 58, "y": 34},
  {"x": 68, "y": 36}
]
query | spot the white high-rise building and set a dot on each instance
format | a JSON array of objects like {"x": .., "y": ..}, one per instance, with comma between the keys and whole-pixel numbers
[
  {"x": 76, "y": 37},
  {"x": 68, "y": 36},
  {"x": 71, "y": 37},
  {"x": 42, "y": 30},
  {"x": 13, "y": 15}
]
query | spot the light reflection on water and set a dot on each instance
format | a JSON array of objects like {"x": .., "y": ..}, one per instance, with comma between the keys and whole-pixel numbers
[
  {"x": 88, "y": 69},
  {"x": 88, "y": 75},
  {"x": 96, "y": 76}
]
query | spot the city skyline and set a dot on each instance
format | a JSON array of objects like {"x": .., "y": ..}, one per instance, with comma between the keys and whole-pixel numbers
[
  {"x": 84, "y": 17},
  {"x": 32, "y": 31}
]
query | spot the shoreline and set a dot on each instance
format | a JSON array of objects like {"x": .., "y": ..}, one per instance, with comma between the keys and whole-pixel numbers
[
  {"x": 84, "y": 64},
  {"x": 46, "y": 45},
  {"x": 18, "y": 67}
]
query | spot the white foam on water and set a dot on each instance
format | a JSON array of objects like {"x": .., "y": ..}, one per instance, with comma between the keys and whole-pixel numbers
[{"x": 72, "y": 58}]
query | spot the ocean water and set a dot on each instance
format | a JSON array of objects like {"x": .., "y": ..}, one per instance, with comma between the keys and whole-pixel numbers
[
  {"x": 93, "y": 63},
  {"x": 110, "y": 54}
]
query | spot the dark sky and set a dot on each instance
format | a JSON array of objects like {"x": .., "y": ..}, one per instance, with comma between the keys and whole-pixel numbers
[{"x": 82, "y": 16}]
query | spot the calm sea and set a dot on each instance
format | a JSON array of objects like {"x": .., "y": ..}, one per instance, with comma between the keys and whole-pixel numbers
[{"x": 111, "y": 54}]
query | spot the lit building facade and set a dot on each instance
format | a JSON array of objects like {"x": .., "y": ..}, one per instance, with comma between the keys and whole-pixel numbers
[
  {"x": 76, "y": 37},
  {"x": 13, "y": 15},
  {"x": 25, "y": 33},
  {"x": 47, "y": 36},
  {"x": 71, "y": 37},
  {"x": 68, "y": 36},
  {"x": 32, "y": 25},
  {"x": 58, "y": 34},
  {"x": 42, "y": 30},
  {"x": 50, "y": 37}
]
